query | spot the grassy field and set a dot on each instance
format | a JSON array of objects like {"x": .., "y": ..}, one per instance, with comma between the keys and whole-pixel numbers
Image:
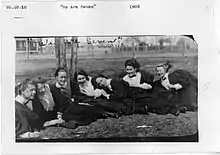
[{"x": 112, "y": 64}]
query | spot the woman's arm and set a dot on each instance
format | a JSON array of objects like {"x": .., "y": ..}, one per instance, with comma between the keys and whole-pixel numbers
[
  {"x": 146, "y": 81},
  {"x": 144, "y": 86},
  {"x": 176, "y": 86}
]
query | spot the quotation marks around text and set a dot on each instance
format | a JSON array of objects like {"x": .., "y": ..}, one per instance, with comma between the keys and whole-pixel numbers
[{"x": 78, "y": 6}]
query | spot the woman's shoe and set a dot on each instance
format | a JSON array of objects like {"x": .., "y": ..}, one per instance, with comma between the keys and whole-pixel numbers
[
  {"x": 174, "y": 111},
  {"x": 183, "y": 109}
]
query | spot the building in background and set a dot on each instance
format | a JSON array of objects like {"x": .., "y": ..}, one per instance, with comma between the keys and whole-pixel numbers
[{"x": 25, "y": 45}]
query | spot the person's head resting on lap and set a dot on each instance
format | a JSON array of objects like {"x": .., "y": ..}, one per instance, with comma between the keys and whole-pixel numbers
[
  {"x": 131, "y": 67},
  {"x": 101, "y": 80}
]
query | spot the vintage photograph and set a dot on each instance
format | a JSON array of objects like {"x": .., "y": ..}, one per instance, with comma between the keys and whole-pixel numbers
[{"x": 106, "y": 88}]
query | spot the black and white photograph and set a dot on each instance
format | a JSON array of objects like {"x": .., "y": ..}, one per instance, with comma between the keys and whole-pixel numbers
[
  {"x": 106, "y": 88},
  {"x": 109, "y": 77}
]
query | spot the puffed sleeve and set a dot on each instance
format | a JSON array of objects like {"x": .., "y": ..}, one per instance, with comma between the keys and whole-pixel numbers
[
  {"x": 181, "y": 77},
  {"x": 146, "y": 77},
  {"x": 120, "y": 89}
]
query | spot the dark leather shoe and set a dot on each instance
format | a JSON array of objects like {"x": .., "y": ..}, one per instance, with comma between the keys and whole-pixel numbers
[
  {"x": 183, "y": 109},
  {"x": 174, "y": 111}
]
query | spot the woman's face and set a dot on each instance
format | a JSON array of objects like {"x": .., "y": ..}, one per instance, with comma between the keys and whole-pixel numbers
[
  {"x": 29, "y": 92},
  {"x": 41, "y": 88},
  {"x": 101, "y": 81},
  {"x": 61, "y": 78},
  {"x": 130, "y": 70},
  {"x": 81, "y": 79},
  {"x": 161, "y": 71}
]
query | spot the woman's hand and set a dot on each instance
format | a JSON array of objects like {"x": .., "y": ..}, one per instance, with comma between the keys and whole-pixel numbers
[
  {"x": 88, "y": 93},
  {"x": 144, "y": 86},
  {"x": 175, "y": 86},
  {"x": 98, "y": 93},
  {"x": 105, "y": 94}
]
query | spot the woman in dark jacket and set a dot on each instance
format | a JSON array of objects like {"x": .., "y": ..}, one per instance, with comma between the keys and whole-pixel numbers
[
  {"x": 140, "y": 85},
  {"x": 174, "y": 89},
  {"x": 115, "y": 93}
]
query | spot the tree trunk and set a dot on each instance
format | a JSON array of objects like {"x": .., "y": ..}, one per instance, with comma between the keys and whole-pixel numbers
[
  {"x": 57, "y": 51},
  {"x": 172, "y": 43},
  {"x": 28, "y": 47},
  {"x": 133, "y": 50},
  {"x": 76, "y": 57},
  {"x": 73, "y": 58},
  {"x": 62, "y": 53},
  {"x": 41, "y": 47}
]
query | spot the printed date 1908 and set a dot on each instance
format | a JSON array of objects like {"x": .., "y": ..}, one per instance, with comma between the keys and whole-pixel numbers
[{"x": 134, "y": 6}]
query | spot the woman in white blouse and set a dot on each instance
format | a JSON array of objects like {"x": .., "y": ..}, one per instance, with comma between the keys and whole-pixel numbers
[{"x": 140, "y": 85}]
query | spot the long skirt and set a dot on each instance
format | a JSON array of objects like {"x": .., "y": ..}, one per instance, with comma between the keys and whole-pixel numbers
[{"x": 82, "y": 114}]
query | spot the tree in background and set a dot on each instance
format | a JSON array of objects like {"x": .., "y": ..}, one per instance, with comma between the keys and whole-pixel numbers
[
  {"x": 90, "y": 47},
  {"x": 74, "y": 56},
  {"x": 57, "y": 51},
  {"x": 61, "y": 45}
]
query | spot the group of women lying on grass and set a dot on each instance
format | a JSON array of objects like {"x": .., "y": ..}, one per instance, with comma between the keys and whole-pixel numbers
[{"x": 39, "y": 105}]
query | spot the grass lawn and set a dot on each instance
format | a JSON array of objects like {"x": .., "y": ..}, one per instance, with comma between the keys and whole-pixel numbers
[{"x": 126, "y": 126}]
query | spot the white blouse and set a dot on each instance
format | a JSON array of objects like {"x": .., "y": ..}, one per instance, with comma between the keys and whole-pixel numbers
[
  {"x": 165, "y": 81},
  {"x": 134, "y": 81},
  {"x": 89, "y": 90}
]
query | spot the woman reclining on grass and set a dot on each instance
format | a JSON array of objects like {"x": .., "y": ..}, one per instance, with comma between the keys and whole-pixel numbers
[
  {"x": 85, "y": 90},
  {"x": 175, "y": 91}
]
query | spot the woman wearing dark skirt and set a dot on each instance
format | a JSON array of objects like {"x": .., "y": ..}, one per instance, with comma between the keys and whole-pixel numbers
[
  {"x": 140, "y": 85},
  {"x": 115, "y": 93},
  {"x": 174, "y": 91}
]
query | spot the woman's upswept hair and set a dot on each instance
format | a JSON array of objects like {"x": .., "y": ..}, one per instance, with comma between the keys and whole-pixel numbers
[
  {"x": 166, "y": 65},
  {"x": 22, "y": 86},
  {"x": 132, "y": 62}
]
